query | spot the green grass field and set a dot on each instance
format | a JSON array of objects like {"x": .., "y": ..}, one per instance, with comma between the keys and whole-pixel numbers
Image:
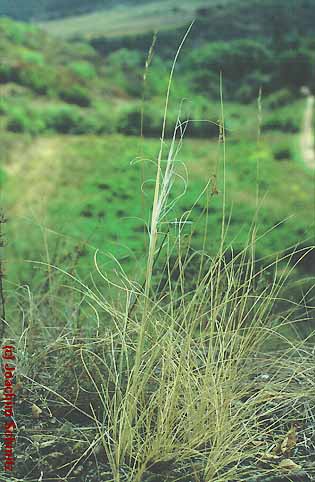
[
  {"x": 78, "y": 195},
  {"x": 132, "y": 20}
]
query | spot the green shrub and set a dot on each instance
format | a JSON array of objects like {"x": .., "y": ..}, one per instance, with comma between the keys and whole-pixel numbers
[
  {"x": 157, "y": 79},
  {"x": 125, "y": 68},
  {"x": 82, "y": 50},
  {"x": 63, "y": 119},
  {"x": 41, "y": 79},
  {"x": 8, "y": 73},
  {"x": 236, "y": 60},
  {"x": 66, "y": 119},
  {"x": 18, "y": 32},
  {"x": 32, "y": 57},
  {"x": 284, "y": 124},
  {"x": 129, "y": 122},
  {"x": 76, "y": 94},
  {"x": 125, "y": 59},
  {"x": 18, "y": 121},
  {"x": 23, "y": 120},
  {"x": 98, "y": 123},
  {"x": 83, "y": 70}
]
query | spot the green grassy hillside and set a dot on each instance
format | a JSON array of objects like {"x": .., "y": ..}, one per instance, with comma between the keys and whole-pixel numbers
[
  {"x": 129, "y": 20},
  {"x": 35, "y": 9},
  {"x": 256, "y": 45},
  {"x": 229, "y": 19},
  {"x": 65, "y": 109}
]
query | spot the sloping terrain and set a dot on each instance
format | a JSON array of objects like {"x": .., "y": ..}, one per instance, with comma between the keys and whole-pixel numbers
[
  {"x": 67, "y": 108},
  {"x": 229, "y": 19},
  {"x": 40, "y": 9},
  {"x": 128, "y": 19}
]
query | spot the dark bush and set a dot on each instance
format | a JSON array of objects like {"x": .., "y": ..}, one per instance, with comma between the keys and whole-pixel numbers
[
  {"x": 281, "y": 124},
  {"x": 237, "y": 60},
  {"x": 203, "y": 129},
  {"x": 282, "y": 153},
  {"x": 8, "y": 73},
  {"x": 67, "y": 119},
  {"x": 17, "y": 122},
  {"x": 76, "y": 94},
  {"x": 64, "y": 119},
  {"x": 129, "y": 122},
  {"x": 23, "y": 120},
  {"x": 295, "y": 68}
]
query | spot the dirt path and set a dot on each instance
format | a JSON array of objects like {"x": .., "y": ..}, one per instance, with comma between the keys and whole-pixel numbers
[
  {"x": 307, "y": 135},
  {"x": 36, "y": 171}
]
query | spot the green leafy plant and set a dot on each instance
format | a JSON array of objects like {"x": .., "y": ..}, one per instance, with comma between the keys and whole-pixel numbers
[
  {"x": 63, "y": 119},
  {"x": 21, "y": 119},
  {"x": 40, "y": 78},
  {"x": 83, "y": 70}
]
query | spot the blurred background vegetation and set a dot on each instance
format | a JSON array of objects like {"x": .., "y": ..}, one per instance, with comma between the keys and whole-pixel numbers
[{"x": 72, "y": 100}]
